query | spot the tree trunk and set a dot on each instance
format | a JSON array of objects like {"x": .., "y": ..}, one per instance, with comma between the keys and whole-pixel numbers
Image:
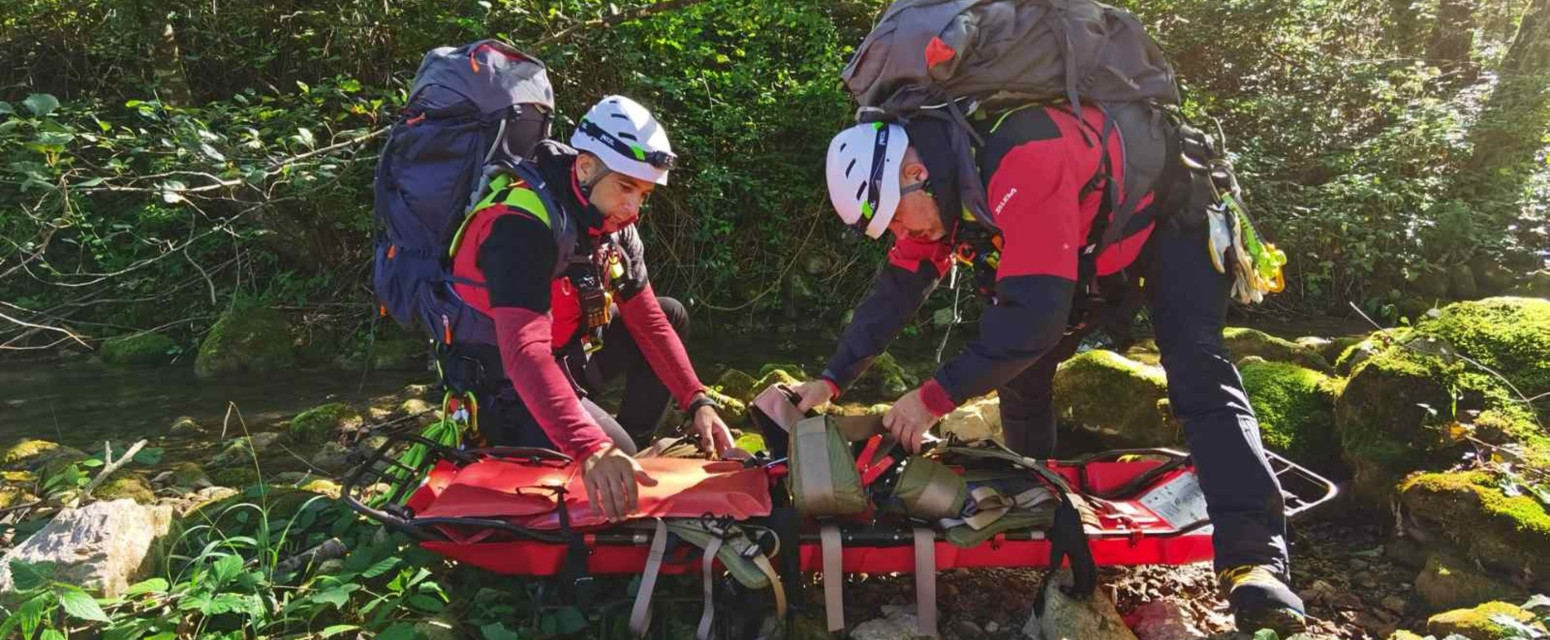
[
  {"x": 1452, "y": 41},
  {"x": 1405, "y": 27},
  {"x": 1513, "y": 123},
  {"x": 166, "y": 62}
]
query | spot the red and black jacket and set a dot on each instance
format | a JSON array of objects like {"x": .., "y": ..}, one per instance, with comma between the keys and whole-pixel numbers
[
  {"x": 525, "y": 260},
  {"x": 1037, "y": 164}
]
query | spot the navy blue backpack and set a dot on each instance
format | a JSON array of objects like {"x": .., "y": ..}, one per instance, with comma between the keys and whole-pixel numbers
[{"x": 480, "y": 105}]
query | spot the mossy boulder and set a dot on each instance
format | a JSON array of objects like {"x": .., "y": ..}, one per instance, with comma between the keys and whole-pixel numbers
[
  {"x": 1449, "y": 582},
  {"x": 1122, "y": 400},
  {"x": 1483, "y": 622},
  {"x": 1399, "y": 411},
  {"x": 1507, "y": 534},
  {"x": 325, "y": 422},
  {"x": 1363, "y": 348},
  {"x": 11, "y": 496},
  {"x": 240, "y": 476},
  {"x": 29, "y": 452},
  {"x": 148, "y": 348},
  {"x": 1296, "y": 411},
  {"x": 771, "y": 378},
  {"x": 976, "y": 420},
  {"x": 390, "y": 348},
  {"x": 188, "y": 475},
  {"x": 733, "y": 410},
  {"x": 1242, "y": 342},
  {"x": 322, "y": 486},
  {"x": 883, "y": 380},
  {"x": 246, "y": 340},
  {"x": 332, "y": 457},
  {"x": 738, "y": 384},
  {"x": 243, "y": 450},
  {"x": 793, "y": 369},
  {"x": 133, "y": 486},
  {"x": 185, "y": 426}
]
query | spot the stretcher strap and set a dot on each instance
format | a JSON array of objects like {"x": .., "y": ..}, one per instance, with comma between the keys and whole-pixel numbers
[
  {"x": 707, "y": 566},
  {"x": 925, "y": 582},
  {"x": 640, "y": 614},
  {"x": 833, "y": 576},
  {"x": 776, "y": 587},
  {"x": 991, "y": 505},
  {"x": 936, "y": 498},
  {"x": 812, "y": 445}
]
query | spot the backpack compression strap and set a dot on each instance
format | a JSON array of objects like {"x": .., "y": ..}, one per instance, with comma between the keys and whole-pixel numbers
[{"x": 503, "y": 190}]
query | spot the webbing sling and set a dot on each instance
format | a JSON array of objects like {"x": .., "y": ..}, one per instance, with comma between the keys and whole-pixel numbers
[
  {"x": 640, "y": 613},
  {"x": 708, "y": 576},
  {"x": 925, "y": 582},
  {"x": 833, "y": 576},
  {"x": 811, "y": 439}
]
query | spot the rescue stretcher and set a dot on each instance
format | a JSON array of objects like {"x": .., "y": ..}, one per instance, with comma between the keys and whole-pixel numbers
[{"x": 523, "y": 512}]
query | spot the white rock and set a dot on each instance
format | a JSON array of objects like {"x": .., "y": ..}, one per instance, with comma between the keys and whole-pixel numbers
[
  {"x": 101, "y": 547},
  {"x": 897, "y": 623},
  {"x": 977, "y": 420},
  {"x": 1162, "y": 620},
  {"x": 1067, "y": 618}
]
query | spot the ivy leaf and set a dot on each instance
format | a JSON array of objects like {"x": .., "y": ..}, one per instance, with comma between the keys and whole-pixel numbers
[
  {"x": 304, "y": 136},
  {"x": 426, "y": 603},
  {"x": 6, "y": 108},
  {"x": 154, "y": 585},
  {"x": 27, "y": 576},
  {"x": 1522, "y": 630},
  {"x": 77, "y": 604},
  {"x": 1536, "y": 602},
  {"x": 329, "y": 632},
  {"x": 41, "y": 104},
  {"x": 498, "y": 631},
  {"x": 400, "y": 631},
  {"x": 381, "y": 567},
  {"x": 338, "y": 596},
  {"x": 149, "y": 455},
  {"x": 225, "y": 569}
]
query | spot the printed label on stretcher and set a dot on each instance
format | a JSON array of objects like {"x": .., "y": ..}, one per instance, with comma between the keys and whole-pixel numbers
[{"x": 1180, "y": 502}]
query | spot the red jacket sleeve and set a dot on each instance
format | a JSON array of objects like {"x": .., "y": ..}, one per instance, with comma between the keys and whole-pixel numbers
[
  {"x": 654, "y": 334},
  {"x": 1037, "y": 196},
  {"x": 524, "y": 340}
]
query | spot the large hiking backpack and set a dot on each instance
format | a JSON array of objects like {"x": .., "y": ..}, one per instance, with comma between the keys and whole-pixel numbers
[
  {"x": 945, "y": 58},
  {"x": 472, "y": 109}
]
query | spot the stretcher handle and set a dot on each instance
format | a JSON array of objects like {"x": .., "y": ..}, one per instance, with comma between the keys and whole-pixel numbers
[
  {"x": 1319, "y": 489},
  {"x": 1175, "y": 460}
]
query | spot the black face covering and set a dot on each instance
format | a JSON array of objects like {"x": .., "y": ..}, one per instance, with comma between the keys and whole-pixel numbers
[{"x": 931, "y": 139}]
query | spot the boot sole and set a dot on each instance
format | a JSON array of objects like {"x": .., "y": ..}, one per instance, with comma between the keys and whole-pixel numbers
[{"x": 1283, "y": 621}]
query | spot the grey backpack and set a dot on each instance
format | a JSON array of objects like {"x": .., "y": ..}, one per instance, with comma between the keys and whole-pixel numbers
[{"x": 945, "y": 58}]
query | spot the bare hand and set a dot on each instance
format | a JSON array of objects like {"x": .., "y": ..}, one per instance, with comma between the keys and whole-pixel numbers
[
  {"x": 611, "y": 478},
  {"x": 714, "y": 435},
  {"x": 813, "y": 393},
  {"x": 908, "y": 420}
]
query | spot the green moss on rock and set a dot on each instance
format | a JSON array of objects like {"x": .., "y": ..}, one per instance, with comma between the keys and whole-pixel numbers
[
  {"x": 185, "y": 426},
  {"x": 324, "y": 422},
  {"x": 1122, "y": 400},
  {"x": 128, "y": 485},
  {"x": 883, "y": 380},
  {"x": 1363, "y": 348},
  {"x": 189, "y": 475},
  {"x": 1451, "y": 582},
  {"x": 25, "y": 452},
  {"x": 139, "y": 349},
  {"x": 1481, "y": 623},
  {"x": 793, "y": 369},
  {"x": 1243, "y": 342},
  {"x": 773, "y": 377},
  {"x": 738, "y": 384},
  {"x": 1296, "y": 411},
  {"x": 246, "y": 340},
  {"x": 237, "y": 477},
  {"x": 1469, "y": 509},
  {"x": 1510, "y": 335}
]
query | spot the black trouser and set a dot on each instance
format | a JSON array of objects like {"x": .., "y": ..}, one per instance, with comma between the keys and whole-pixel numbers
[
  {"x": 1188, "y": 301},
  {"x": 505, "y": 420}
]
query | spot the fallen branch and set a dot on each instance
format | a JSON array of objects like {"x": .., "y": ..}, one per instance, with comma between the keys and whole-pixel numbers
[{"x": 112, "y": 466}]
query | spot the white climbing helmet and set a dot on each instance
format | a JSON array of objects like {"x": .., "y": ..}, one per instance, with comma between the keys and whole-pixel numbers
[
  {"x": 863, "y": 172},
  {"x": 627, "y": 138}
]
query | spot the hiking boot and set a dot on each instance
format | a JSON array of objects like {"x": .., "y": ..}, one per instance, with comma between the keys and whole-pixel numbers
[{"x": 1260, "y": 600}]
